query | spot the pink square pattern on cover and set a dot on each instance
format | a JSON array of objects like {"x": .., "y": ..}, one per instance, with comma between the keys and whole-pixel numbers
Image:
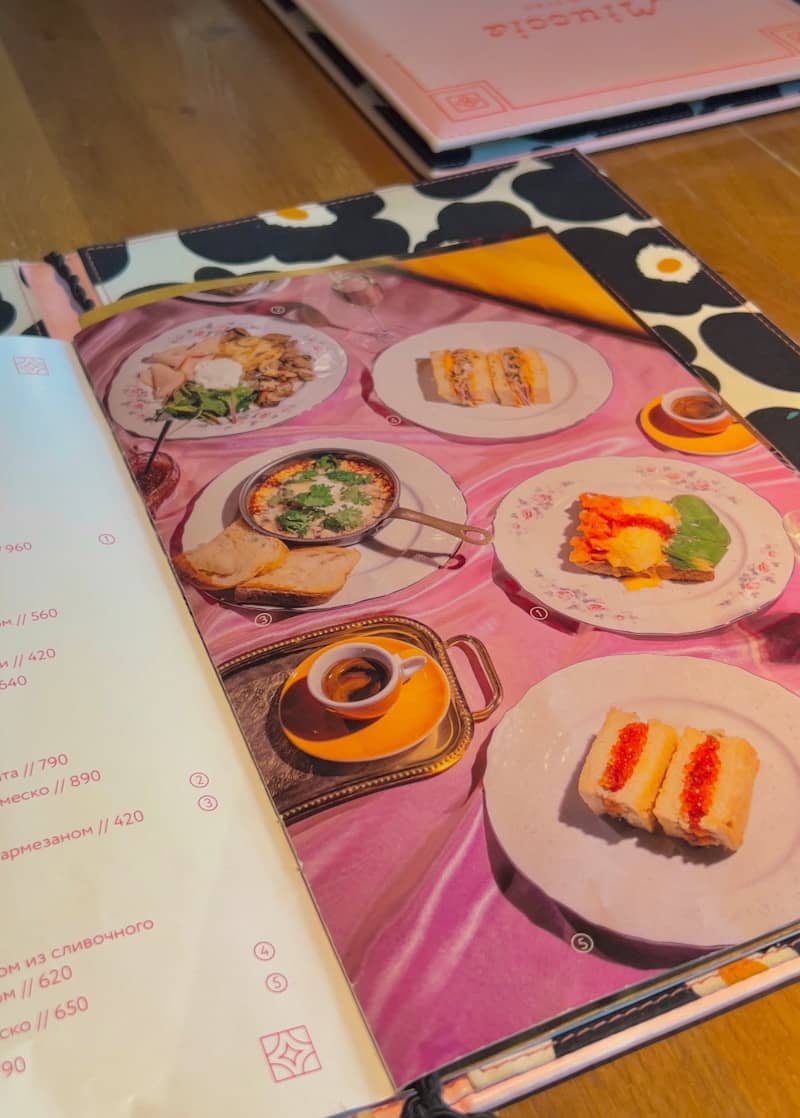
[
  {"x": 787, "y": 34},
  {"x": 31, "y": 366},
  {"x": 290, "y": 1053},
  {"x": 469, "y": 101}
]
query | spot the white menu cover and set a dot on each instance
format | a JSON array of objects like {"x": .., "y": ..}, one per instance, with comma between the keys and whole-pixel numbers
[
  {"x": 159, "y": 952},
  {"x": 467, "y": 71}
]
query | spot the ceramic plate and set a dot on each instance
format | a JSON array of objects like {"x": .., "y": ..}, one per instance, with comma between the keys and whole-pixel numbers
[
  {"x": 580, "y": 381},
  {"x": 421, "y": 706},
  {"x": 649, "y": 886},
  {"x": 666, "y": 432},
  {"x": 396, "y": 556},
  {"x": 256, "y": 290},
  {"x": 133, "y": 405},
  {"x": 534, "y": 523}
]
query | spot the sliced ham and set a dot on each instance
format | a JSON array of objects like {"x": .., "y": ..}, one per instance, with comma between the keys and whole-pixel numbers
[
  {"x": 162, "y": 379},
  {"x": 172, "y": 356},
  {"x": 207, "y": 347},
  {"x": 188, "y": 365}
]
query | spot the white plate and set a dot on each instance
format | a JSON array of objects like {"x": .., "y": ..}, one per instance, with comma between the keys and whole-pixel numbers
[
  {"x": 255, "y": 291},
  {"x": 649, "y": 886},
  {"x": 580, "y": 381},
  {"x": 535, "y": 521},
  {"x": 396, "y": 556},
  {"x": 133, "y": 405}
]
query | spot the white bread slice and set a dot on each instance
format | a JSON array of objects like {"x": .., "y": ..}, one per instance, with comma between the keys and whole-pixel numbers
[
  {"x": 231, "y": 557},
  {"x": 729, "y": 807},
  {"x": 519, "y": 376},
  {"x": 309, "y": 577},
  {"x": 462, "y": 377},
  {"x": 502, "y": 389},
  {"x": 661, "y": 570},
  {"x": 634, "y": 801}
]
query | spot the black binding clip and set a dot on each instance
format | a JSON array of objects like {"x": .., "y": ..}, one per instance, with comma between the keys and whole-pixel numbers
[{"x": 427, "y": 1102}]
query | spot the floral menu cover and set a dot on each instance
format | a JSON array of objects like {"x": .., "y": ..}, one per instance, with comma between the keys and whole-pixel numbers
[{"x": 360, "y": 466}]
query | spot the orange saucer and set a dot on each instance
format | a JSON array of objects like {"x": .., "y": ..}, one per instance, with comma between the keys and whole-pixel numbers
[
  {"x": 665, "y": 431},
  {"x": 421, "y": 706}
]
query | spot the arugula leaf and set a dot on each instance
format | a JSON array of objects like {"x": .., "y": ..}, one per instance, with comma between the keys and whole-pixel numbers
[
  {"x": 326, "y": 462},
  {"x": 193, "y": 401}
]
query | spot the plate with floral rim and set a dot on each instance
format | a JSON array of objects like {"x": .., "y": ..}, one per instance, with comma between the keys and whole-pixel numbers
[{"x": 535, "y": 521}]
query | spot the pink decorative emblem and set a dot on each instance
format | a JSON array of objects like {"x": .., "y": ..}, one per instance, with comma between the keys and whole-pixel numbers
[
  {"x": 290, "y": 1053},
  {"x": 787, "y": 34},
  {"x": 465, "y": 102},
  {"x": 31, "y": 367}
]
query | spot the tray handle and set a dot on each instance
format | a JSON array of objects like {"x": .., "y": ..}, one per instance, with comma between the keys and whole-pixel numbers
[{"x": 481, "y": 653}]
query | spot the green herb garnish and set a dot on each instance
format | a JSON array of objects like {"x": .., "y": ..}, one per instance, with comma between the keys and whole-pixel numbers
[
  {"x": 317, "y": 497},
  {"x": 297, "y": 522},
  {"x": 345, "y": 520},
  {"x": 350, "y": 477},
  {"x": 193, "y": 401},
  {"x": 354, "y": 496}
]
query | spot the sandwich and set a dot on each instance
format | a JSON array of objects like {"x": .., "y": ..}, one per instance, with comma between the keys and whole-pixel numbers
[
  {"x": 309, "y": 576},
  {"x": 231, "y": 557},
  {"x": 645, "y": 538},
  {"x": 462, "y": 377},
  {"x": 519, "y": 376},
  {"x": 706, "y": 795},
  {"x": 625, "y": 766},
  {"x": 514, "y": 376}
]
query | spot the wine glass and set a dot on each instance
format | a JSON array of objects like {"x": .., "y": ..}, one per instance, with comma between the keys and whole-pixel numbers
[{"x": 361, "y": 290}]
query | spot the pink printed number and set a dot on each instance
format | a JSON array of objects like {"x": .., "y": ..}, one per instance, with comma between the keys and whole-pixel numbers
[{"x": 290, "y": 1053}]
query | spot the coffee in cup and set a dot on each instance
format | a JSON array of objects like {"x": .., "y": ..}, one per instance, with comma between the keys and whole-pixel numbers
[{"x": 360, "y": 680}]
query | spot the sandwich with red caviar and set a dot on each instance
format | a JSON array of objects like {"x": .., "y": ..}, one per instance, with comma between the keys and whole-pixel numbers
[
  {"x": 623, "y": 771},
  {"x": 697, "y": 787},
  {"x": 645, "y": 539},
  {"x": 706, "y": 794}
]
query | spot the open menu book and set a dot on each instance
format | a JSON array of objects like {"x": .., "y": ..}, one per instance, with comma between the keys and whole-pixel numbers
[{"x": 437, "y": 718}]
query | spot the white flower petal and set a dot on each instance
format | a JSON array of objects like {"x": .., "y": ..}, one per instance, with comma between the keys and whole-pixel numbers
[{"x": 663, "y": 262}]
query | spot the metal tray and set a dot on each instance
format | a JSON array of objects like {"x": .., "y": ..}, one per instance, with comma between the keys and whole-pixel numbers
[{"x": 300, "y": 784}]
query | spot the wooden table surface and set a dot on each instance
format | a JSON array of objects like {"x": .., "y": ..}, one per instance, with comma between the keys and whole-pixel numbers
[{"x": 121, "y": 117}]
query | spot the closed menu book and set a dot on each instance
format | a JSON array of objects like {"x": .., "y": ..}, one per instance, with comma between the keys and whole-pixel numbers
[
  {"x": 396, "y": 681},
  {"x": 457, "y": 84}
]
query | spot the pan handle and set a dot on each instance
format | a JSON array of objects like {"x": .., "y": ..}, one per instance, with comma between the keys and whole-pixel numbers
[
  {"x": 466, "y": 532},
  {"x": 480, "y": 650}
]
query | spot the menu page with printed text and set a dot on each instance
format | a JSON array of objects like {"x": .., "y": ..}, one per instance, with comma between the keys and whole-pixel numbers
[{"x": 159, "y": 952}]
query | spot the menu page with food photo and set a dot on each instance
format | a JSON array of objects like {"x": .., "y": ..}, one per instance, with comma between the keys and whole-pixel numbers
[
  {"x": 159, "y": 951},
  {"x": 502, "y": 599}
]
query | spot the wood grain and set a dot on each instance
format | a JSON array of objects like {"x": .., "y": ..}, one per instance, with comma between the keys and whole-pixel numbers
[{"x": 122, "y": 118}]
